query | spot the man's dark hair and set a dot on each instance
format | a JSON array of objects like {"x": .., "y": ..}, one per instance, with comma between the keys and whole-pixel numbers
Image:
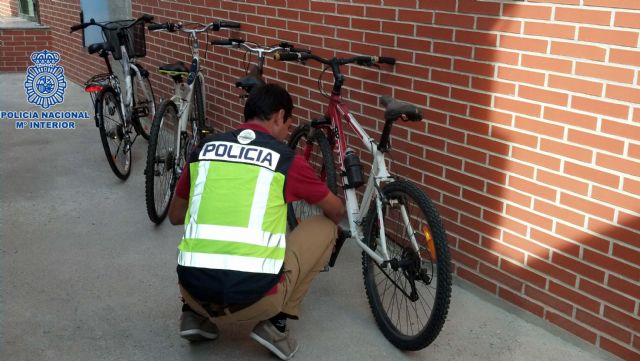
[{"x": 266, "y": 100}]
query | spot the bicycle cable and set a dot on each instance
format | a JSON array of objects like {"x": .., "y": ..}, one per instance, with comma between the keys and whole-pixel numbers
[{"x": 322, "y": 92}]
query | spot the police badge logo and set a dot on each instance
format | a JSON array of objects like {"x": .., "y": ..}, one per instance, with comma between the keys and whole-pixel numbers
[{"x": 45, "y": 82}]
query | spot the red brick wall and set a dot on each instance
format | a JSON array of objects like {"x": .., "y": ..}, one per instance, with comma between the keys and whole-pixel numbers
[
  {"x": 17, "y": 46},
  {"x": 531, "y": 146}
]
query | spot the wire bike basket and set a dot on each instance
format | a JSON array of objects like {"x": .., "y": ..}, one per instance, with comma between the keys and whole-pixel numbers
[{"x": 134, "y": 39}]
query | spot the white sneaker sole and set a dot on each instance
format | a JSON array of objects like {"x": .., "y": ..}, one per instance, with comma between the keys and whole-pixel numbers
[
  {"x": 198, "y": 335},
  {"x": 272, "y": 348}
]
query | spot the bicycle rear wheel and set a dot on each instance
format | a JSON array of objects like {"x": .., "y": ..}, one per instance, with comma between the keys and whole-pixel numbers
[
  {"x": 144, "y": 105},
  {"x": 409, "y": 297},
  {"x": 160, "y": 171},
  {"x": 315, "y": 148},
  {"x": 114, "y": 133}
]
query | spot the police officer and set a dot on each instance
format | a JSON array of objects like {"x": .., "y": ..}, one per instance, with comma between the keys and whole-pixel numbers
[{"x": 235, "y": 261}]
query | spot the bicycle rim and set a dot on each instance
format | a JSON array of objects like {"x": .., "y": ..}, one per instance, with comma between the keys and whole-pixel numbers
[
  {"x": 161, "y": 162},
  {"x": 114, "y": 134},
  {"x": 410, "y": 297},
  {"x": 317, "y": 151}
]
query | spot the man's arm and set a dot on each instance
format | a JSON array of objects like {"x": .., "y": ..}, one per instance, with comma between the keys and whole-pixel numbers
[
  {"x": 332, "y": 207},
  {"x": 178, "y": 210}
]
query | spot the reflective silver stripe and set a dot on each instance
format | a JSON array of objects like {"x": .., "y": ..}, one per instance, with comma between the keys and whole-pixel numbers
[
  {"x": 229, "y": 262},
  {"x": 198, "y": 188},
  {"x": 235, "y": 234},
  {"x": 260, "y": 198}
]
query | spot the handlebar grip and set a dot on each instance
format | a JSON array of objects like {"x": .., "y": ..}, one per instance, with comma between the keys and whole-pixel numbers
[
  {"x": 78, "y": 27},
  {"x": 229, "y": 24},
  {"x": 222, "y": 42},
  {"x": 288, "y": 56},
  {"x": 146, "y": 18},
  {"x": 386, "y": 60},
  {"x": 299, "y": 50},
  {"x": 153, "y": 27}
]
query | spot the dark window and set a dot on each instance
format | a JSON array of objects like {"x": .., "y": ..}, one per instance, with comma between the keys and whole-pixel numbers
[{"x": 28, "y": 9}]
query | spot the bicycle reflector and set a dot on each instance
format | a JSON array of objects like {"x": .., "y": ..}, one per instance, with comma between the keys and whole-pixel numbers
[
  {"x": 430, "y": 244},
  {"x": 93, "y": 88}
]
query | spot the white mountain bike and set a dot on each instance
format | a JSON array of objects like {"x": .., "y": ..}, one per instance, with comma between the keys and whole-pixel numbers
[{"x": 179, "y": 122}]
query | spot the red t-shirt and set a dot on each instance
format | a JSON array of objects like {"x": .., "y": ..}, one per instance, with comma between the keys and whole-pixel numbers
[{"x": 302, "y": 182}]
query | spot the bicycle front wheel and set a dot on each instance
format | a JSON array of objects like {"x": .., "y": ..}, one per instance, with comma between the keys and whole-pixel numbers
[
  {"x": 114, "y": 133},
  {"x": 313, "y": 145},
  {"x": 144, "y": 105},
  {"x": 409, "y": 297},
  {"x": 160, "y": 171}
]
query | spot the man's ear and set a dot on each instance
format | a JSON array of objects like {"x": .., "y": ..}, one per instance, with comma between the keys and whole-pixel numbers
[{"x": 281, "y": 116}]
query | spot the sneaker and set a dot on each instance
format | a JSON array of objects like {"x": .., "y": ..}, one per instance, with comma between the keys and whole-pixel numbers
[
  {"x": 194, "y": 327},
  {"x": 280, "y": 343}
]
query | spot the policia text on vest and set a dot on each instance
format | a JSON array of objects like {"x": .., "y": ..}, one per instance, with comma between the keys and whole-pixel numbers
[{"x": 231, "y": 152}]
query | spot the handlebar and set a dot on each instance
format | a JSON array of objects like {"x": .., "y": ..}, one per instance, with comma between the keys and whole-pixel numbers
[
  {"x": 261, "y": 50},
  {"x": 144, "y": 18},
  {"x": 215, "y": 26}
]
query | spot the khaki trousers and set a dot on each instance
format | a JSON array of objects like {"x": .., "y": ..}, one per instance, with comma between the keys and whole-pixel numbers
[{"x": 309, "y": 248}]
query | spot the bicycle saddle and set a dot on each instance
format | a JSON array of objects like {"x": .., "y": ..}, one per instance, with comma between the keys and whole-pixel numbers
[
  {"x": 94, "y": 48},
  {"x": 177, "y": 68},
  {"x": 250, "y": 81},
  {"x": 398, "y": 109}
]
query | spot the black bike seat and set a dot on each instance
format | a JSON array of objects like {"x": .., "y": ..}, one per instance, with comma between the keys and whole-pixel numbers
[
  {"x": 398, "y": 109},
  {"x": 177, "y": 68},
  {"x": 249, "y": 82},
  {"x": 94, "y": 48}
]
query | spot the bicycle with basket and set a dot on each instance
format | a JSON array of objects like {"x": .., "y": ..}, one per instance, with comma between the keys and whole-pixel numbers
[
  {"x": 121, "y": 109},
  {"x": 405, "y": 257}
]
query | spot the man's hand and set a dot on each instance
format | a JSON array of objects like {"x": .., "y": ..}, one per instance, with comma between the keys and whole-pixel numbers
[{"x": 332, "y": 207}]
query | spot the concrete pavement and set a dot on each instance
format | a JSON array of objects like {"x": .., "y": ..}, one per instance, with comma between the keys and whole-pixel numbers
[{"x": 86, "y": 276}]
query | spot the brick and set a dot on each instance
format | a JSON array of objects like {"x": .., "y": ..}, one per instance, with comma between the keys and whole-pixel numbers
[
  {"x": 448, "y": 106},
  {"x": 627, "y": 254},
  {"x": 622, "y": 318},
  {"x": 464, "y": 179},
  {"x": 600, "y": 107},
  {"x": 454, "y": 20},
  {"x": 627, "y": 20},
  {"x": 620, "y": 164},
  {"x": 518, "y": 106},
  {"x": 478, "y": 252},
  {"x": 474, "y": 67},
  {"x": 443, "y": 5},
  {"x": 572, "y": 327},
  {"x": 512, "y": 166},
  {"x": 628, "y": 94},
  {"x": 449, "y": 78},
  {"x": 570, "y": 118},
  {"x": 595, "y": 141},
  {"x": 462, "y": 258},
  {"x": 621, "y": 129},
  {"x": 556, "y": 243},
  {"x": 471, "y": 96},
  {"x": 605, "y": 327},
  {"x": 606, "y": 72},
  {"x": 499, "y": 25},
  {"x": 582, "y": 237},
  {"x": 482, "y": 199},
  {"x": 506, "y": 223},
  {"x": 610, "y": 37},
  {"x": 550, "y": 30},
  {"x": 559, "y": 212},
  {"x": 521, "y": 302},
  {"x": 578, "y": 51},
  {"x": 463, "y": 51},
  {"x": 613, "y": 264},
  {"x": 631, "y": 186},
  {"x": 521, "y": 75},
  {"x": 485, "y": 172},
  {"x": 493, "y": 86},
  {"x": 615, "y": 198},
  {"x": 623, "y": 4},
  {"x": 621, "y": 351},
  {"x": 431, "y": 88},
  {"x": 502, "y": 278},
  {"x": 421, "y": 17},
  {"x": 624, "y": 56},
  {"x": 527, "y": 11},
  {"x": 477, "y": 280},
  {"x": 624, "y": 286},
  {"x": 568, "y": 150},
  {"x": 587, "y": 206},
  {"x": 574, "y": 297},
  {"x": 497, "y": 56},
  {"x": 509, "y": 195},
  {"x": 488, "y": 144},
  {"x": 543, "y": 95},
  {"x": 589, "y": 173},
  {"x": 547, "y": 63},
  {"x": 433, "y": 61},
  {"x": 505, "y": 251},
  {"x": 577, "y": 266},
  {"x": 525, "y": 245},
  {"x": 583, "y": 16},
  {"x": 491, "y": 115},
  {"x": 523, "y": 43},
  {"x": 549, "y": 300}
]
